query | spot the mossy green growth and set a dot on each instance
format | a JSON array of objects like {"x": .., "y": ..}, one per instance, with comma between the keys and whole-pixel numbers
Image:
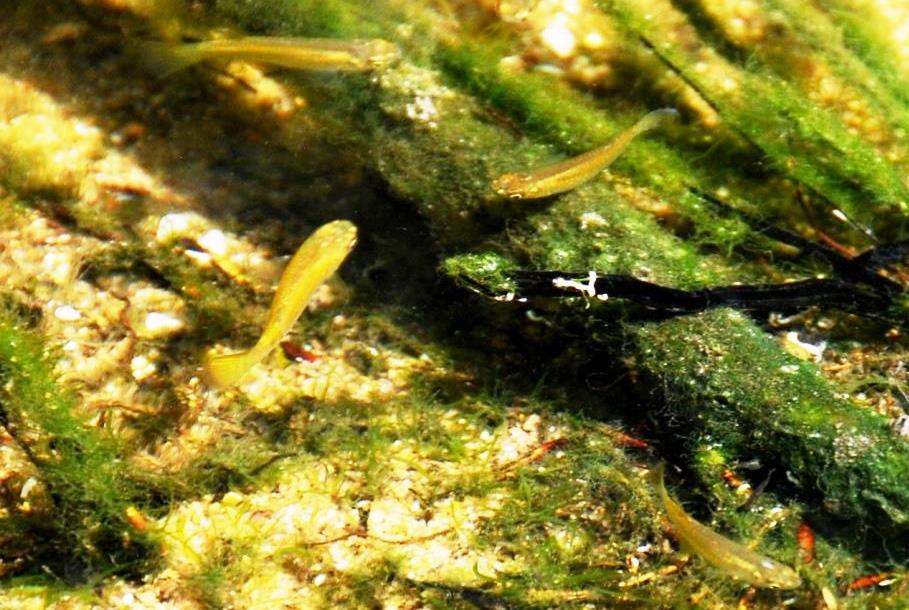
[
  {"x": 596, "y": 228},
  {"x": 591, "y": 228},
  {"x": 805, "y": 140},
  {"x": 865, "y": 33},
  {"x": 665, "y": 163},
  {"x": 213, "y": 310},
  {"x": 325, "y": 19},
  {"x": 83, "y": 468},
  {"x": 735, "y": 386},
  {"x": 488, "y": 271}
]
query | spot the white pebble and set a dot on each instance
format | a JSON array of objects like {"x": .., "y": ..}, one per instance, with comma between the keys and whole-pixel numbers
[
  {"x": 162, "y": 324},
  {"x": 174, "y": 226},
  {"x": 67, "y": 313},
  {"x": 27, "y": 488},
  {"x": 559, "y": 39},
  {"x": 58, "y": 267},
  {"x": 142, "y": 368},
  {"x": 214, "y": 242}
]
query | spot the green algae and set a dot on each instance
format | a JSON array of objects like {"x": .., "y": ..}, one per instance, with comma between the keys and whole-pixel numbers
[
  {"x": 786, "y": 412},
  {"x": 718, "y": 372},
  {"x": 212, "y": 311},
  {"x": 550, "y": 236},
  {"x": 84, "y": 469},
  {"x": 863, "y": 36},
  {"x": 488, "y": 271},
  {"x": 809, "y": 141}
]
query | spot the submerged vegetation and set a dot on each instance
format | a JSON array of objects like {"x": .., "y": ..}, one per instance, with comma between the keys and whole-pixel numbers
[
  {"x": 66, "y": 507},
  {"x": 413, "y": 442}
]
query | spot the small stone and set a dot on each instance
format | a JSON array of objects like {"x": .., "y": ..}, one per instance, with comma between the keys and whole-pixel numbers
[{"x": 67, "y": 313}]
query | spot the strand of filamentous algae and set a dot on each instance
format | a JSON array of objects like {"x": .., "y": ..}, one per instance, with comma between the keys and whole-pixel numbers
[
  {"x": 870, "y": 35},
  {"x": 826, "y": 36},
  {"x": 82, "y": 466},
  {"x": 825, "y": 70},
  {"x": 805, "y": 141}
]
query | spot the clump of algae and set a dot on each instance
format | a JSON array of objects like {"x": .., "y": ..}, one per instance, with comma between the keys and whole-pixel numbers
[
  {"x": 82, "y": 526},
  {"x": 424, "y": 491}
]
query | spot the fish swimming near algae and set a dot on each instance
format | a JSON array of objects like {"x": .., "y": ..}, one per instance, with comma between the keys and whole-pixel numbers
[
  {"x": 323, "y": 54},
  {"x": 726, "y": 555},
  {"x": 315, "y": 261},
  {"x": 571, "y": 173}
]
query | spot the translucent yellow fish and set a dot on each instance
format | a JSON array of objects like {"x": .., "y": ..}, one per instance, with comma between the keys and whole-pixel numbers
[
  {"x": 316, "y": 260},
  {"x": 300, "y": 53},
  {"x": 728, "y": 556},
  {"x": 571, "y": 173}
]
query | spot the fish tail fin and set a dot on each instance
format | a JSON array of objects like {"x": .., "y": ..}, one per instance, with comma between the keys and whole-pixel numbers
[
  {"x": 165, "y": 58},
  {"x": 226, "y": 370},
  {"x": 653, "y": 119},
  {"x": 655, "y": 476}
]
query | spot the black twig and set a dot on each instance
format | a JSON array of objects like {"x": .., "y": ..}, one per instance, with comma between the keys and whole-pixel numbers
[{"x": 763, "y": 297}]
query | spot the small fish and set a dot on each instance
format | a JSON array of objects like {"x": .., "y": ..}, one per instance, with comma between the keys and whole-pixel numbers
[
  {"x": 724, "y": 554},
  {"x": 327, "y": 54},
  {"x": 571, "y": 173},
  {"x": 316, "y": 260}
]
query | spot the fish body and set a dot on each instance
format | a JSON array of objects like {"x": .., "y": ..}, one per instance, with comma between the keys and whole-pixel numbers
[
  {"x": 728, "y": 556},
  {"x": 569, "y": 174},
  {"x": 315, "y": 261},
  {"x": 326, "y": 54}
]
